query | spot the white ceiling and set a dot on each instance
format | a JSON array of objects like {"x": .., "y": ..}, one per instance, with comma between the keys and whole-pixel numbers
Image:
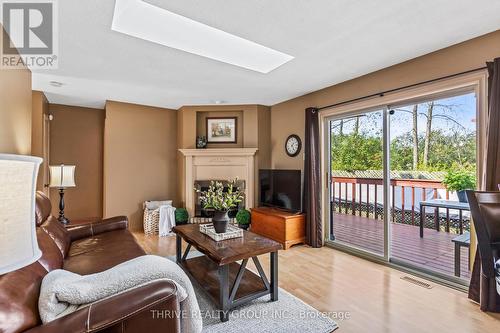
[{"x": 332, "y": 41}]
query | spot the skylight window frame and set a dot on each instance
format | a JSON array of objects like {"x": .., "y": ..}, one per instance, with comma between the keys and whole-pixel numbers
[{"x": 142, "y": 20}]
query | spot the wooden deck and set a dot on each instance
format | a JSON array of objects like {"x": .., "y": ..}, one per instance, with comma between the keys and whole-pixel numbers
[{"x": 434, "y": 251}]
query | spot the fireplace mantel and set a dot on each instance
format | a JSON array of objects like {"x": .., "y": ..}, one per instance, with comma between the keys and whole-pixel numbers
[
  {"x": 218, "y": 163},
  {"x": 219, "y": 152}
]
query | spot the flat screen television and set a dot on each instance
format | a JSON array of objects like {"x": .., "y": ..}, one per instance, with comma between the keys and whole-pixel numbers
[{"x": 281, "y": 189}]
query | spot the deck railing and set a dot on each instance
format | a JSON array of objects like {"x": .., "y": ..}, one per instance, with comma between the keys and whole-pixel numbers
[{"x": 364, "y": 197}]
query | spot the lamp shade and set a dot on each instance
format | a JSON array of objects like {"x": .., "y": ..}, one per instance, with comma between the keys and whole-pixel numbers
[
  {"x": 62, "y": 176},
  {"x": 18, "y": 243}
]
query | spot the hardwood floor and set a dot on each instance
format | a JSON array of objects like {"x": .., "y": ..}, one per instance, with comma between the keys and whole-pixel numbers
[{"x": 374, "y": 295}]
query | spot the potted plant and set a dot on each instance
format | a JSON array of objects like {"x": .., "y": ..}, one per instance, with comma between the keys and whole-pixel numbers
[
  {"x": 220, "y": 200},
  {"x": 243, "y": 218},
  {"x": 181, "y": 216},
  {"x": 460, "y": 181}
]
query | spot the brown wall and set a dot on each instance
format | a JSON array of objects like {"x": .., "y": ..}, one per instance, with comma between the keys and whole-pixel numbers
[
  {"x": 40, "y": 109},
  {"x": 76, "y": 138},
  {"x": 263, "y": 144},
  {"x": 465, "y": 56},
  {"x": 15, "y": 109},
  {"x": 139, "y": 158},
  {"x": 264, "y": 136}
]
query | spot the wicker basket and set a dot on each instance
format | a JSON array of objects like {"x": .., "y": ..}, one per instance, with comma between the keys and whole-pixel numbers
[{"x": 151, "y": 221}]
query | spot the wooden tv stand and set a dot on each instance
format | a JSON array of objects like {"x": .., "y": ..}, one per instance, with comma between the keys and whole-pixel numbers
[{"x": 284, "y": 227}]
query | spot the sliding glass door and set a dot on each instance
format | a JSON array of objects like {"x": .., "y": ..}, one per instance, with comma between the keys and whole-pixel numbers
[
  {"x": 393, "y": 173},
  {"x": 356, "y": 157},
  {"x": 432, "y": 142}
]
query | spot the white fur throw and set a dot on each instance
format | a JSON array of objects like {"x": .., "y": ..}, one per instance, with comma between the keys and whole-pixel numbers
[
  {"x": 167, "y": 220},
  {"x": 63, "y": 292}
]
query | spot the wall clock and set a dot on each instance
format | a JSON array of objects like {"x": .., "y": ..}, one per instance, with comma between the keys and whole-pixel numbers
[{"x": 293, "y": 145}]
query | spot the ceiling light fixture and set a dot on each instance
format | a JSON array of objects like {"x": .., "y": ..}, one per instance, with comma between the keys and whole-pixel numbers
[{"x": 143, "y": 20}]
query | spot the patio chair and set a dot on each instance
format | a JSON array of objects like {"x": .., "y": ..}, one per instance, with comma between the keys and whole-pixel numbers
[{"x": 485, "y": 210}]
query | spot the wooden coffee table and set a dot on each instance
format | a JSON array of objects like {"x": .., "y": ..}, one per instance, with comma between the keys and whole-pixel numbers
[{"x": 219, "y": 266}]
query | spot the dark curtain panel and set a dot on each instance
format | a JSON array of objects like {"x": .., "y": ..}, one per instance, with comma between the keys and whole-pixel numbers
[
  {"x": 480, "y": 289},
  {"x": 492, "y": 162},
  {"x": 312, "y": 181}
]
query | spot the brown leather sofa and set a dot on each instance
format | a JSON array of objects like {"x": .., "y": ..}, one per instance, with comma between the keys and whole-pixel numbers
[{"x": 85, "y": 249}]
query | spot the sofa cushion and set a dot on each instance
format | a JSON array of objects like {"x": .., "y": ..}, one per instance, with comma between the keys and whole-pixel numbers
[
  {"x": 58, "y": 233},
  {"x": 42, "y": 208},
  {"x": 51, "y": 255},
  {"x": 100, "y": 252},
  {"x": 19, "y": 292}
]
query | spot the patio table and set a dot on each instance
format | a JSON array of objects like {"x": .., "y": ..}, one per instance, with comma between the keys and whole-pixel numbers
[{"x": 441, "y": 203}]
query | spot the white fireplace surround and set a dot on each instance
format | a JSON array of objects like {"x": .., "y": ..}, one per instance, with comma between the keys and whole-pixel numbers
[{"x": 218, "y": 164}]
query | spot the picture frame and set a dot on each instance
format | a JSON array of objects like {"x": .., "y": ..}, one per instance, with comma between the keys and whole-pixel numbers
[{"x": 221, "y": 129}]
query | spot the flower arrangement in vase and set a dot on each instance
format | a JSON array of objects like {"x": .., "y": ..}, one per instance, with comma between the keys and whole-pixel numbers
[{"x": 220, "y": 201}]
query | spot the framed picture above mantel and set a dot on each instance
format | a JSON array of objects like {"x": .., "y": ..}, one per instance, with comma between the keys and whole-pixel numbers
[{"x": 221, "y": 129}]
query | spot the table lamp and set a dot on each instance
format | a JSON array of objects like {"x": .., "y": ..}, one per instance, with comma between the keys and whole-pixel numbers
[
  {"x": 18, "y": 243},
  {"x": 61, "y": 177}
]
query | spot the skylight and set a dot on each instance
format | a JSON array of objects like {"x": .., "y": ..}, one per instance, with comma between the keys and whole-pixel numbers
[{"x": 142, "y": 20}]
